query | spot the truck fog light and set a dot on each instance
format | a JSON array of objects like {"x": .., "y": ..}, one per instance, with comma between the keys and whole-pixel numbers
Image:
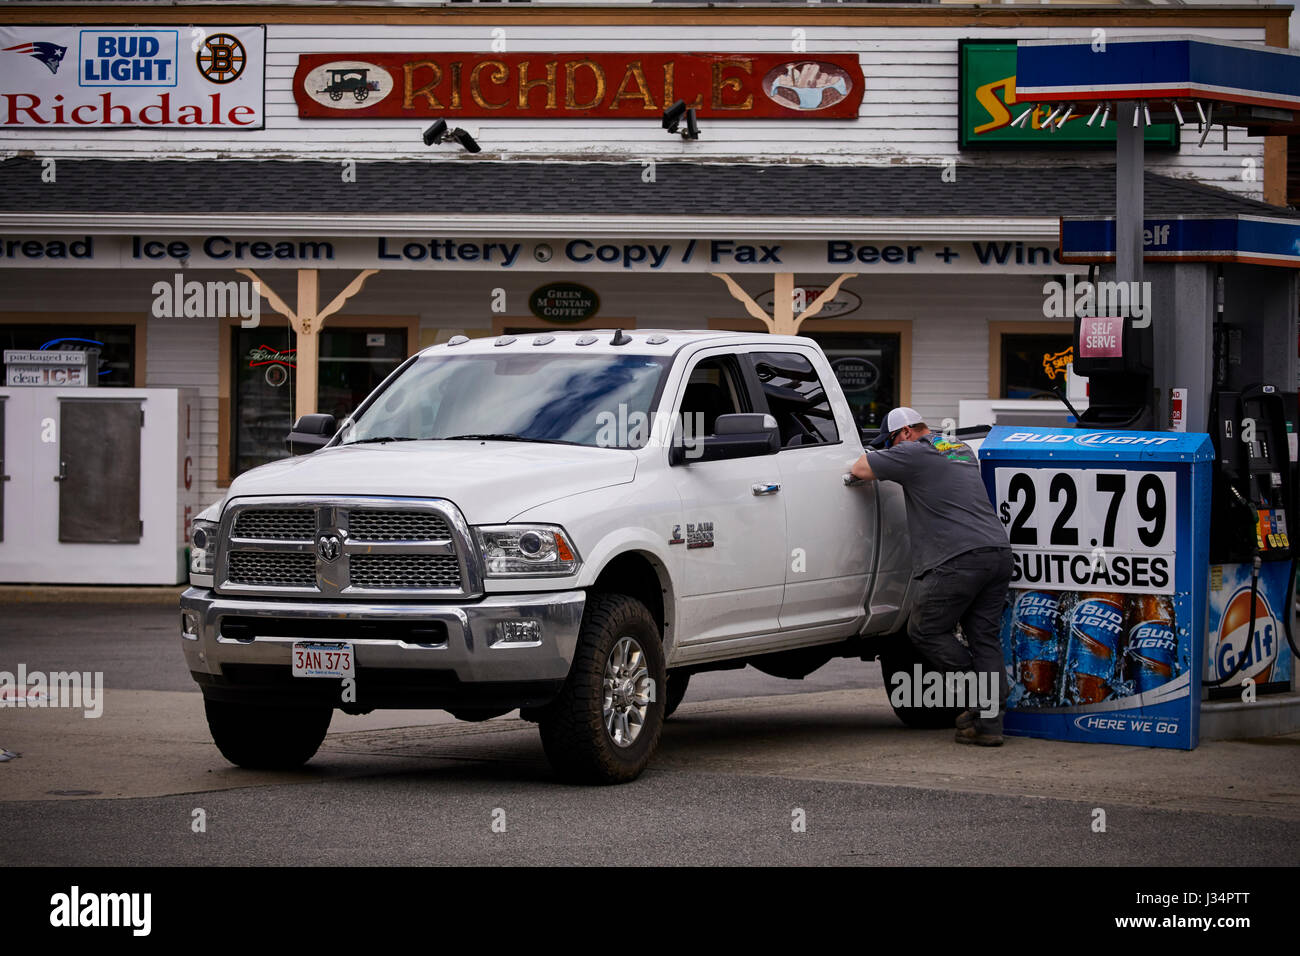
[
  {"x": 190, "y": 625},
  {"x": 517, "y": 633}
]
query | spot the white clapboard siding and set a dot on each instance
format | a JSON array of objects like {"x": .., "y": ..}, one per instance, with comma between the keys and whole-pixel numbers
[{"x": 908, "y": 115}]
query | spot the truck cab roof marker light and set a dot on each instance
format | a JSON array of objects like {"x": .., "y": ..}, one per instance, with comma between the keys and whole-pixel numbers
[
  {"x": 544, "y": 340},
  {"x": 505, "y": 340},
  {"x": 586, "y": 340},
  {"x": 458, "y": 340},
  {"x": 656, "y": 340}
]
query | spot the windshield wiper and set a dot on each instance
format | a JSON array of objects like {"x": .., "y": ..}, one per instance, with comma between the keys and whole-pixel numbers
[
  {"x": 365, "y": 441},
  {"x": 510, "y": 437}
]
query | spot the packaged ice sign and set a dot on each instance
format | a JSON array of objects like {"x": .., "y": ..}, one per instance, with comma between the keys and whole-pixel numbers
[
  {"x": 1109, "y": 532},
  {"x": 51, "y": 369},
  {"x": 101, "y": 78}
]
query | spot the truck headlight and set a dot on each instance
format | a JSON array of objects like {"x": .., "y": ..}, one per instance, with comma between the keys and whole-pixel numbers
[
  {"x": 203, "y": 551},
  {"x": 521, "y": 550}
]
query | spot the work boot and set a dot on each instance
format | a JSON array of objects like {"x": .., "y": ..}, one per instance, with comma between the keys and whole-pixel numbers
[
  {"x": 967, "y": 718},
  {"x": 972, "y": 735}
]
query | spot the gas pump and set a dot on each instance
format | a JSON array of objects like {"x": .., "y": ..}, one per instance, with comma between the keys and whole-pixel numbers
[{"x": 1252, "y": 557}]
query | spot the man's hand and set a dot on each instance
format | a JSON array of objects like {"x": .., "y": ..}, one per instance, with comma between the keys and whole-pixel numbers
[{"x": 862, "y": 469}]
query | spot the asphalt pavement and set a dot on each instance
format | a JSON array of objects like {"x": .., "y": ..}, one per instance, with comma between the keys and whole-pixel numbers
[{"x": 752, "y": 770}]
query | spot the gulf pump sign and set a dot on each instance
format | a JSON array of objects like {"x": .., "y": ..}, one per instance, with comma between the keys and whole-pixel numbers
[{"x": 100, "y": 78}]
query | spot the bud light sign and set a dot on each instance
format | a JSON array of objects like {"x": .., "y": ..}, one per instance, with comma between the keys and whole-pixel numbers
[
  {"x": 1103, "y": 627},
  {"x": 205, "y": 78}
]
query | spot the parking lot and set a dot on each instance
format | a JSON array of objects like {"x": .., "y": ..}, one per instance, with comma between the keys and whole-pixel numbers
[{"x": 751, "y": 770}]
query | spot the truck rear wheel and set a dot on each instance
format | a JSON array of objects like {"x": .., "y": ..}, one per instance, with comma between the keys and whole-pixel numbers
[
  {"x": 267, "y": 738},
  {"x": 605, "y": 724},
  {"x": 900, "y": 656}
]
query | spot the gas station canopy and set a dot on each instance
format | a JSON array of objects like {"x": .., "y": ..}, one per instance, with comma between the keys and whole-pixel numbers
[
  {"x": 1218, "y": 81},
  {"x": 1258, "y": 240}
]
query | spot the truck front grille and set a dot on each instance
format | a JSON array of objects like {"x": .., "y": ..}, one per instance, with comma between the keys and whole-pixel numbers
[
  {"x": 274, "y": 524},
  {"x": 272, "y": 569},
  {"x": 405, "y": 571},
  {"x": 347, "y": 547},
  {"x": 365, "y": 525}
]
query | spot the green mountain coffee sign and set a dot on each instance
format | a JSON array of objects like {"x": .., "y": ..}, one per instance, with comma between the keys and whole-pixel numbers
[
  {"x": 564, "y": 302},
  {"x": 988, "y": 105}
]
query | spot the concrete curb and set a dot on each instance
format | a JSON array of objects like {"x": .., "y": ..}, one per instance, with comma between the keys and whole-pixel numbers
[{"x": 65, "y": 594}]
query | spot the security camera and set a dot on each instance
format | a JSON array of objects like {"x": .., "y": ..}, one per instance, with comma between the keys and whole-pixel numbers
[
  {"x": 435, "y": 133},
  {"x": 692, "y": 130},
  {"x": 673, "y": 115},
  {"x": 466, "y": 140}
]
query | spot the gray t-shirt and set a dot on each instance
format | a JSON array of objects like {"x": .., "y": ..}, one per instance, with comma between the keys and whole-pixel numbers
[{"x": 948, "y": 510}]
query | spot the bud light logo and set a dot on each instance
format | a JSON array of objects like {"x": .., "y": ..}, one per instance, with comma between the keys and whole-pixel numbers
[
  {"x": 128, "y": 58},
  {"x": 1153, "y": 636},
  {"x": 1098, "y": 439}
]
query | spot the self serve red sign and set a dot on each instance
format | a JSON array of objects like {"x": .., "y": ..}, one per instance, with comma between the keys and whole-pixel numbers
[{"x": 123, "y": 77}]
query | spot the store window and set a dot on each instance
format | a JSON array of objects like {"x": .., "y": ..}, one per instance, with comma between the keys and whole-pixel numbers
[
  {"x": 867, "y": 366},
  {"x": 115, "y": 343},
  {"x": 351, "y": 363},
  {"x": 1033, "y": 363}
]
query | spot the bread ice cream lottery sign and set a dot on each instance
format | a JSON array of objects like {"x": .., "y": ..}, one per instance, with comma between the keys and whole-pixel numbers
[
  {"x": 1103, "y": 630},
  {"x": 108, "y": 77},
  {"x": 576, "y": 85}
]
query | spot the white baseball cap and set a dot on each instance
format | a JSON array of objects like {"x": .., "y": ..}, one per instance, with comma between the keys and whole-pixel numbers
[{"x": 897, "y": 419}]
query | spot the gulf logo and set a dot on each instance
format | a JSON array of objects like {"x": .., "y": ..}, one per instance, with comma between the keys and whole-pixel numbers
[{"x": 1235, "y": 640}]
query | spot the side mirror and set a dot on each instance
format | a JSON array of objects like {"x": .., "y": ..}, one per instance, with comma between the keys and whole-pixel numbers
[
  {"x": 310, "y": 433},
  {"x": 734, "y": 436}
]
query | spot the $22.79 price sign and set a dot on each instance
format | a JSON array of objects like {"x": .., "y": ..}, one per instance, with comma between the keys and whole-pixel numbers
[{"x": 1080, "y": 529}]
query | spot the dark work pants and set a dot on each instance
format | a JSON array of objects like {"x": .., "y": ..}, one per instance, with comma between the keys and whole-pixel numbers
[{"x": 970, "y": 589}]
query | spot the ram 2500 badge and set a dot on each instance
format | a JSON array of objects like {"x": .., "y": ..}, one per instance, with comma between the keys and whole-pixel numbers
[{"x": 570, "y": 525}]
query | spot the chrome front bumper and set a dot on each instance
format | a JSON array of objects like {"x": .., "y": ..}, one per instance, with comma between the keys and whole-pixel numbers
[{"x": 469, "y": 666}]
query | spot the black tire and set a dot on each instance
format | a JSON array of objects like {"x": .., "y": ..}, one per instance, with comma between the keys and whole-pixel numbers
[
  {"x": 573, "y": 727},
  {"x": 676, "y": 690},
  {"x": 267, "y": 738},
  {"x": 900, "y": 655}
]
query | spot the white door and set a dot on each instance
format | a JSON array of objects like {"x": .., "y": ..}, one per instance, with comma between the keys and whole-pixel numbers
[
  {"x": 830, "y": 527},
  {"x": 732, "y": 535}
]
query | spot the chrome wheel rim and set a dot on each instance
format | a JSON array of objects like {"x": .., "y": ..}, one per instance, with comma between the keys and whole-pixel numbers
[{"x": 627, "y": 692}]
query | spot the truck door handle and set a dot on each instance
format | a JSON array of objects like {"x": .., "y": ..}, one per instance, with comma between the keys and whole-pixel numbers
[
  {"x": 63, "y": 472},
  {"x": 766, "y": 488},
  {"x": 852, "y": 481}
]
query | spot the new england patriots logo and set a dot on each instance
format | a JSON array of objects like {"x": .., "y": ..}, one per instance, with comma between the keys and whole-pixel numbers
[{"x": 51, "y": 54}]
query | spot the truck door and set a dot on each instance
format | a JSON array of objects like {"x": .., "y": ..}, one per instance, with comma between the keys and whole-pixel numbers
[
  {"x": 732, "y": 534},
  {"x": 830, "y": 528}
]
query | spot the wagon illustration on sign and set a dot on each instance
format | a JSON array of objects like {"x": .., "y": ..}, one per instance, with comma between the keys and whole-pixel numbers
[{"x": 354, "y": 81}]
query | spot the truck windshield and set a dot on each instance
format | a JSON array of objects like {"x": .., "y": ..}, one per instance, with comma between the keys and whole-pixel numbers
[{"x": 592, "y": 400}]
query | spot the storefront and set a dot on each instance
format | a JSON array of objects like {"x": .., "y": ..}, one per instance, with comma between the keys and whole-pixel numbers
[{"x": 894, "y": 180}]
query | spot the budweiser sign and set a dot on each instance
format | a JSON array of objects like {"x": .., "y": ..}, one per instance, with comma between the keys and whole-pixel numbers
[{"x": 576, "y": 85}]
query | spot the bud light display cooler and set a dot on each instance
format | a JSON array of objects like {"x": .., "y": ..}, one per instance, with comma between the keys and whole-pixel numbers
[{"x": 1103, "y": 630}]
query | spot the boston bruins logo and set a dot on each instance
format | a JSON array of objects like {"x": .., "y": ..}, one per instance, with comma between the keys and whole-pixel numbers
[{"x": 221, "y": 58}]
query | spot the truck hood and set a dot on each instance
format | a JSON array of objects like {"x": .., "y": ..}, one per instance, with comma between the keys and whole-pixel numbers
[{"x": 490, "y": 481}]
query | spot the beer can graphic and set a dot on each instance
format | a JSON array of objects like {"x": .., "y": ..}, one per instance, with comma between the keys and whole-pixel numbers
[
  {"x": 1036, "y": 633},
  {"x": 1151, "y": 655},
  {"x": 1092, "y": 658}
]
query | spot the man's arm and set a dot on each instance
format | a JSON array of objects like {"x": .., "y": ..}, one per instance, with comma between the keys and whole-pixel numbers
[{"x": 862, "y": 469}]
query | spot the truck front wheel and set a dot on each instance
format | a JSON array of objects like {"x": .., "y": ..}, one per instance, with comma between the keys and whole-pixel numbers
[
  {"x": 267, "y": 738},
  {"x": 605, "y": 724}
]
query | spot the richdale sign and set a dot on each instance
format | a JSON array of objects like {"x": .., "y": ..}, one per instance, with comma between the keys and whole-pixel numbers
[
  {"x": 576, "y": 85},
  {"x": 93, "y": 78},
  {"x": 561, "y": 254}
]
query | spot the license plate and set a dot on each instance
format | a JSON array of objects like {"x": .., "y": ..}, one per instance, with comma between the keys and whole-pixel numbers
[{"x": 316, "y": 659}]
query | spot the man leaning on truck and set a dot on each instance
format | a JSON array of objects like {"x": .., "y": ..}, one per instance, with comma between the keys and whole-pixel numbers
[{"x": 961, "y": 559}]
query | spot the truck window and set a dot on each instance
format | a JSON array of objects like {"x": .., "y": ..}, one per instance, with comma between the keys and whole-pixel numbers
[
  {"x": 796, "y": 398},
  {"x": 714, "y": 388}
]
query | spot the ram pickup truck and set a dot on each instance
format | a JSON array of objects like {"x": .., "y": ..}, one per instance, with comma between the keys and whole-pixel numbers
[{"x": 567, "y": 524}]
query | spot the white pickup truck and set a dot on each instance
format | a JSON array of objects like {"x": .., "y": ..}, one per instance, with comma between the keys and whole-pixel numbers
[{"x": 570, "y": 524}]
